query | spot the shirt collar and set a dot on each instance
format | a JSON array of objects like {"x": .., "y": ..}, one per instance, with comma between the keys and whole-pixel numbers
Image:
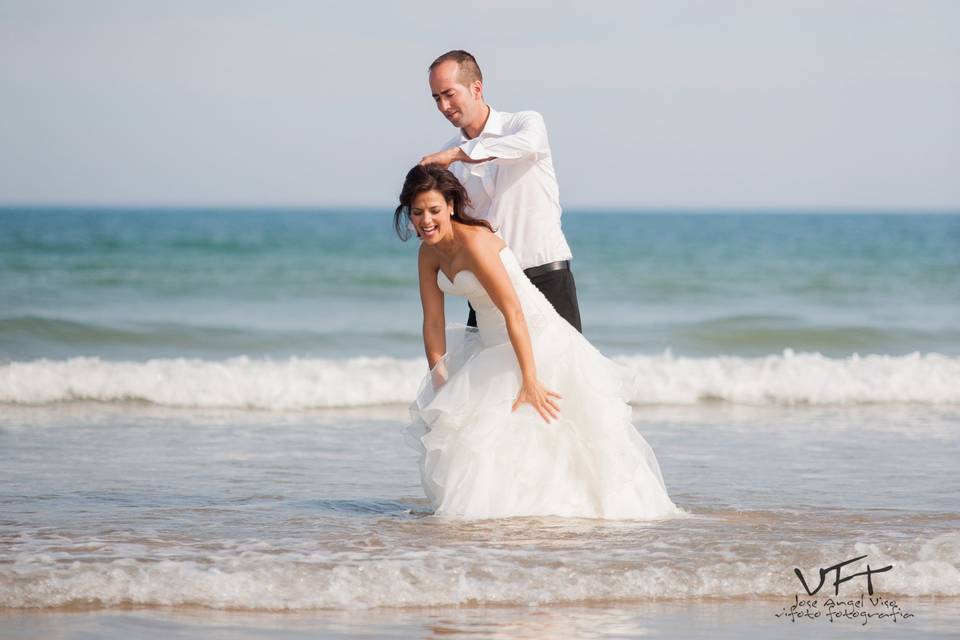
[{"x": 493, "y": 126}]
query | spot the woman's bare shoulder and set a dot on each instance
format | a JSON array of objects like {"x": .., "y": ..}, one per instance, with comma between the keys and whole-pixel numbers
[
  {"x": 427, "y": 259},
  {"x": 480, "y": 241}
]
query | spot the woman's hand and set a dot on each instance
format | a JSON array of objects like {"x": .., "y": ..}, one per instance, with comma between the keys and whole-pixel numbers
[
  {"x": 540, "y": 398},
  {"x": 438, "y": 376}
]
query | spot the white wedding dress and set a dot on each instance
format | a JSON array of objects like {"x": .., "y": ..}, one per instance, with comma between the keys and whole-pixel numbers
[{"x": 480, "y": 460}]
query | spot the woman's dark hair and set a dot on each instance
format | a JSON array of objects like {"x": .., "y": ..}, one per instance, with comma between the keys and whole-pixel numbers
[{"x": 433, "y": 178}]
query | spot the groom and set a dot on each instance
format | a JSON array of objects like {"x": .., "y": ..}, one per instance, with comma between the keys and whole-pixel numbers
[{"x": 505, "y": 163}]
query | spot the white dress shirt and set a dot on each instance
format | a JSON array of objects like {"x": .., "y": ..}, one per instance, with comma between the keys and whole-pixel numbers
[{"x": 517, "y": 190}]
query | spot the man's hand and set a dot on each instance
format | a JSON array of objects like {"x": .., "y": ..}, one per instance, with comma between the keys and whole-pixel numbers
[{"x": 446, "y": 157}]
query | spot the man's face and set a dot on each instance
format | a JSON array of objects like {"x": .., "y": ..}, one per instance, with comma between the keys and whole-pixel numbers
[{"x": 459, "y": 104}]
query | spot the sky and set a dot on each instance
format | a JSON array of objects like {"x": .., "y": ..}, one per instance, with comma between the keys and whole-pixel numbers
[{"x": 780, "y": 104}]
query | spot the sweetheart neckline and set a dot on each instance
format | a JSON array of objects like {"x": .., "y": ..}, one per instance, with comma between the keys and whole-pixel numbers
[{"x": 454, "y": 279}]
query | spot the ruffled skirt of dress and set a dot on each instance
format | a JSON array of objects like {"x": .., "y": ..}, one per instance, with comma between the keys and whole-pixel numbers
[{"x": 479, "y": 460}]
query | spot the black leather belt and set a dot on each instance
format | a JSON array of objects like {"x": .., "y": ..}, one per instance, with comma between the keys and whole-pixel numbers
[{"x": 559, "y": 265}]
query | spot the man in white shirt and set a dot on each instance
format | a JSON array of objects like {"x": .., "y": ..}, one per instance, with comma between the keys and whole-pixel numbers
[{"x": 505, "y": 163}]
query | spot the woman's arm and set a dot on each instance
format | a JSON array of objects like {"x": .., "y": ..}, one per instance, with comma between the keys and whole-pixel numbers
[
  {"x": 431, "y": 298},
  {"x": 494, "y": 277}
]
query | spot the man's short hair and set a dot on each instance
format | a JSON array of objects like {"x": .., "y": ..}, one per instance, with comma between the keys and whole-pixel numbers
[{"x": 468, "y": 70}]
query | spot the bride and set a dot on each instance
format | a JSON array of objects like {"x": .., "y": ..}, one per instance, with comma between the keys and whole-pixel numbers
[{"x": 521, "y": 416}]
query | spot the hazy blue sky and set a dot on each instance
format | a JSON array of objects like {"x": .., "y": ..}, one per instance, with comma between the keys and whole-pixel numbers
[{"x": 833, "y": 104}]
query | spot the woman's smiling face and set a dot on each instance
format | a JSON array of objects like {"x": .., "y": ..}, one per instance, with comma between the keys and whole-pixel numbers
[{"x": 430, "y": 214}]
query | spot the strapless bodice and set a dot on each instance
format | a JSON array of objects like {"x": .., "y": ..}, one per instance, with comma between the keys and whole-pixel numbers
[{"x": 493, "y": 329}]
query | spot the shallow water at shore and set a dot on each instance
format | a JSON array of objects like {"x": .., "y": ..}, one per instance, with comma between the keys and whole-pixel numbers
[{"x": 117, "y": 506}]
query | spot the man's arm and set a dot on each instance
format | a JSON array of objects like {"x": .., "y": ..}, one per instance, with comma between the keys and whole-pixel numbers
[
  {"x": 528, "y": 140},
  {"x": 448, "y": 156}
]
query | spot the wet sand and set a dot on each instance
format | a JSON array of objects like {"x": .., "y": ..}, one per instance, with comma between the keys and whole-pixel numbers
[{"x": 702, "y": 618}]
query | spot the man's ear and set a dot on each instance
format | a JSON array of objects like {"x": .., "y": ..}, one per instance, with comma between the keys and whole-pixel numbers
[{"x": 476, "y": 89}]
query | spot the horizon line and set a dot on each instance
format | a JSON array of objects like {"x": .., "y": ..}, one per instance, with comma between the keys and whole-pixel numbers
[{"x": 573, "y": 209}]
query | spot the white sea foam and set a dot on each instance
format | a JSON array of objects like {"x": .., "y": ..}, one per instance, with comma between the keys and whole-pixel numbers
[
  {"x": 235, "y": 383},
  {"x": 296, "y": 383},
  {"x": 796, "y": 378},
  {"x": 440, "y": 577}
]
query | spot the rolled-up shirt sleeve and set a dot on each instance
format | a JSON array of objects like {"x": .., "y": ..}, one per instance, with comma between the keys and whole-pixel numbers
[{"x": 528, "y": 141}]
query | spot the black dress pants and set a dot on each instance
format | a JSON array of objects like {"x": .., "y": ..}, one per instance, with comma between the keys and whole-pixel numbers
[{"x": 559, "y": 289}]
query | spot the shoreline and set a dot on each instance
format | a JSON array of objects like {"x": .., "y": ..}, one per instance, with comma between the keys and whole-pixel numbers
[{"x": 934, "y": 617}]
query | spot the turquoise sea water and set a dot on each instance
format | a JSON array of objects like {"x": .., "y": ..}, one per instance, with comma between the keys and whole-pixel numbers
[{"x": 140, "y": 284}]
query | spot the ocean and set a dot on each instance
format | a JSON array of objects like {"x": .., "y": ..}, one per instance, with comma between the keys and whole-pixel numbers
[{"x": 202, "y": 416}]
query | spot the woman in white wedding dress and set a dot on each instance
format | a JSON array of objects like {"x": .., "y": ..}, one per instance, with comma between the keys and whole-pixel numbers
[{"x": 521, "y": 416}]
